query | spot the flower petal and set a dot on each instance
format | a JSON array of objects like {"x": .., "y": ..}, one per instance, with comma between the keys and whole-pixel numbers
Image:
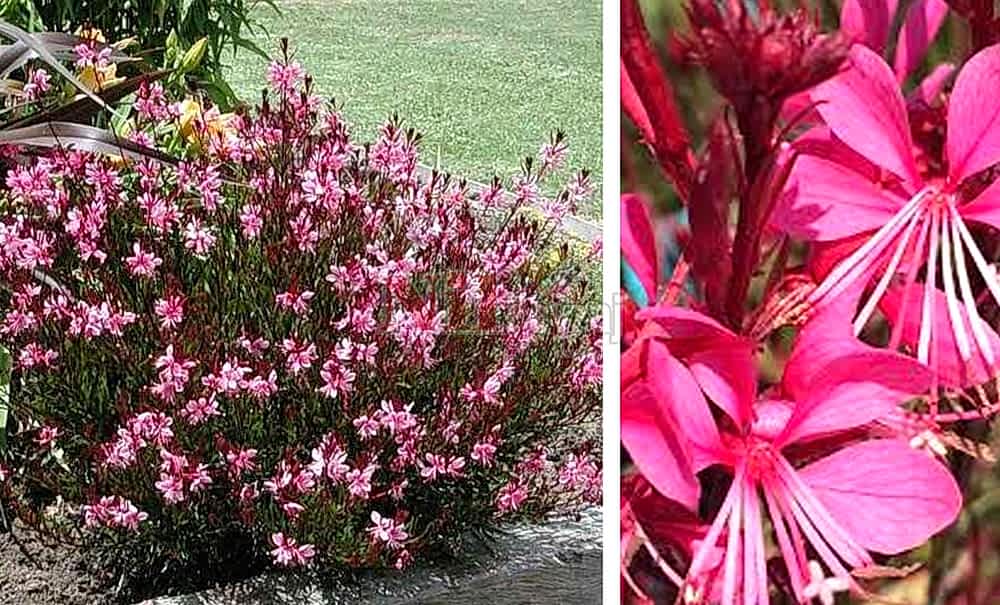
[
  {"x": 973, "y": 137},
  {"x": 887, "y": 496},
  {"x": 825, "y": 200},
  {"x": 930, "y": 88},
  {"x": 952, "y": 370},
  {"x": 868, "y": 21},
  {"x": 720, "y": 361},
  {"x": 865, "y": 109},
  {"x": 675, "y": 386},
  {"x": 846, "y": 392},
  {"x": 985, "y": 208},
  {"x": 655, "y": 446},
  {"x": 638, "y": 243},
  {"x": 923, "y": 20},
  {"x": 653, "y": 400},
  {"x": 830, "y": 370}
]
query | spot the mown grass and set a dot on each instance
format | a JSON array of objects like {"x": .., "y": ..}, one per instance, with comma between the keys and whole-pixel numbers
[{"x": 486, "y": 82}]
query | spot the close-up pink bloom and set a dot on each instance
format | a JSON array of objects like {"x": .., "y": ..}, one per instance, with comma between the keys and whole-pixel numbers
[
  {"x": 809, "y": 338},
  {"x": 788, "y": 450},
  {"x": 864, "y": 177}
]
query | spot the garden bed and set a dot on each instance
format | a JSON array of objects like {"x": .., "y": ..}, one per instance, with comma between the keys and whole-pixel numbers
[
  {"x": 34, "y": 570},
  {"x": 557, "y": 561}
]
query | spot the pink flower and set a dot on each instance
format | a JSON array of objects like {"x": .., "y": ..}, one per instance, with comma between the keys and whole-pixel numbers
[
  {"x": 261, "y": 387},
  {"x": 174, "y": 373},
  {"x": 90, "y": 54},
  {"x": 151, "y": 102},
  {"x": 197, "y": 238},
  {"x": 907, "y": 497},
  {"x": 39, "y": 83},
  {"x": 367, "y": 427},
  {"x": 288, "y": 553},
  {"x": 483, "y": 453},
  {"x": 510, "y": 497},
  {"x": 142, "y": 264},
  {"x": 552, "y": 155},
  {"x": 170, "y": 310},
  {"x": 32, "y": 355},
  {"x": 198, "y": 478},
  {"x": 436, "y": 466},
  {"x": 229, "y": 378},
  {"x": 418, "y": 330},
  {"x": 251, "y": 221},
  {"x": 397, "y": 421},
  {"x": 297, "y": 302},
  {"x": 387, "y": 531},
  {"x": 862, "y": 180},
  {"x": 113, "y": 511},
  {"x": 869, "y": 23},
  {"x": 284, "y": 77},
  {"x": 338, "y": 379},
  {"x": 403, "y": 560},
  {"x": 299, "y": 356},
  {"x": 329, "y": 460},
  {"x": 201, "y": 409},
  {"x": 46, "y": 436},
  {"x": 241, "y": 461},
  {"x": 171, "y": 487},
  {"x": 359, "y": 481},
  {"x": 577, "y": 471}
]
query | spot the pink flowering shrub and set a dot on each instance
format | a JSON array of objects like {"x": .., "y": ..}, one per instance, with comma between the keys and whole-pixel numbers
[
  {"x": 809, "y": 367},
  {"x": 289, "y": 347}
]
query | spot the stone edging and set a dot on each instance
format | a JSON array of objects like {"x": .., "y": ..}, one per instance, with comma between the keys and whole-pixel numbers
[
  {"x": 560, "y": 548},
  {"x": 585, "y": 229}
]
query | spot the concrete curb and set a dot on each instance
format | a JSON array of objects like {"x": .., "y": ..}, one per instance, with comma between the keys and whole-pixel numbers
[
  {"x": 555, "y": 562},
  {"x": 582, "y": 228}
]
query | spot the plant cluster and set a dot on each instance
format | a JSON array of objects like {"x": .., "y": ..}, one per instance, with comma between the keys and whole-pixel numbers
[
  {"x": 288, "y": 346},
  {"x": 809, "y": 381},
  {"x": 166, "y": 29}
]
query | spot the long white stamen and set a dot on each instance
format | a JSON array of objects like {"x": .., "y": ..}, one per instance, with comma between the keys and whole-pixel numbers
[
  {"x": 861, "y": 258},
  {"x": 672, "y": 575},
  {"x": 817, "y": 541},
  {"x": 916, "y": 261},
  {"x": 750, "y": 554},
  {"x": 733, "y": 551},
  {"x": 978, "y": 329},
  {"x": 989, "y": 276},
  {"x": 951, "y": 300},
  {"x": 927, "y": 313},
  {"x": 794, "y": 558},
  {"x": 890, "y": 271},
  {"x": 715, "y": 530},
  {"x": 846, "y": 546}
]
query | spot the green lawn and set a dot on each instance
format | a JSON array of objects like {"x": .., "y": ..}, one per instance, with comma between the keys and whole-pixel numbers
[{"x": 486, "y": 82}]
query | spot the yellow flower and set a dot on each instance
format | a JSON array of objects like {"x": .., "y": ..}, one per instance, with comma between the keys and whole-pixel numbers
[
  {"x": 99, "y": 79},
  {"x": 91, "y": 33},
  {"x": 215, "y": 123},
  {"x": 189, "y": 109}
]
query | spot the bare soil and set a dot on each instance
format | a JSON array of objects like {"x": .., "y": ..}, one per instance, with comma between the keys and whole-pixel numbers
[{"x": 38, "y": 571}]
